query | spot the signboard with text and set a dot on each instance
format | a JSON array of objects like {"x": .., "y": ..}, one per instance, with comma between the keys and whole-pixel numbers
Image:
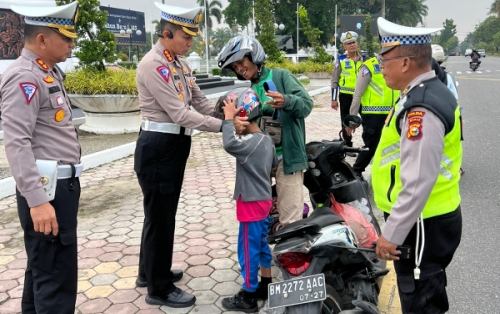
[{"x": 120, "y": 19}]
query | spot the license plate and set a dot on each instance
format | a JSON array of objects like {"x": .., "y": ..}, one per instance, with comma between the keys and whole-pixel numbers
[{"x": 297, "y": 291}]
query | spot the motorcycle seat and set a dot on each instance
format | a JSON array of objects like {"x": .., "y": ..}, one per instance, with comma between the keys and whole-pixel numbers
[{"x": 320, "y": 218}]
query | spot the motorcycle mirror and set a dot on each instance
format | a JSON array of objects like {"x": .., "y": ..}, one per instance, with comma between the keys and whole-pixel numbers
[{"x": 352, "y": 121}]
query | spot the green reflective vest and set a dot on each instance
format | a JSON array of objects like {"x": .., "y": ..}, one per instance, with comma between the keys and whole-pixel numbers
[
  {"x": 348, "y": 74},
  {"x": 386, "y": 182},
  {"x": 377, "y": 98}
]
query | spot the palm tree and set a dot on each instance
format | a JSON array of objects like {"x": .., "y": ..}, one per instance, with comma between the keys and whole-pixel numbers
[
  {"x": 495, "y": 8},
  {"x": 213, "y": 9},
  {"x": 221, "y": 37}
]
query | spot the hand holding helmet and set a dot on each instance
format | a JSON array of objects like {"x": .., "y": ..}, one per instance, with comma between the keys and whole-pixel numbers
[{"x": 230, "y": 108}]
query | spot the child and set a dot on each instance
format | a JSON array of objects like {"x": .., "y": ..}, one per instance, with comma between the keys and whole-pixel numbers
[{"x": 255, "y": 157}]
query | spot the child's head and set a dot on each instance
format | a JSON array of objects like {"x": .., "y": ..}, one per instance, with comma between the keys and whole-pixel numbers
[{"x": 246, "y": 99}]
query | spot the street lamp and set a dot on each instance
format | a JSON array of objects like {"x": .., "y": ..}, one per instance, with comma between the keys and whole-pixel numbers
[
  {"x": 280, "y": 27},
  {"x": 129, "y": 32}
]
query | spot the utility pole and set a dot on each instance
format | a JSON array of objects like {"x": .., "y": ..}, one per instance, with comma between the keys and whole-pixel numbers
[
  {"x": 206, "y": 39},
  {"x": 335, "y": 52},
  {"x": 297, "y": 32}
]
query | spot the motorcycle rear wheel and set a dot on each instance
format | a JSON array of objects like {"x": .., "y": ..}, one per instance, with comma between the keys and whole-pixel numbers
[{"x": 333, "y": 303}]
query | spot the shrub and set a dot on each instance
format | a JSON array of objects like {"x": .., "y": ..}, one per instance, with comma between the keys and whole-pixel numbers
[
  {"x": 128, "y": 65},
  {"x": 216, "y": 71},
  {"x": 302, "y": 67},
  {"x": 94, "y": 82}
]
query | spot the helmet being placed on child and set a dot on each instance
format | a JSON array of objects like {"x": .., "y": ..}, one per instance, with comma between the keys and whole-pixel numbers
[{"x": 246, "y": 98}]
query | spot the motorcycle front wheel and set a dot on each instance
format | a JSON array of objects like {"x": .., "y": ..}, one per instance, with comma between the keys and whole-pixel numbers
[{"x": 333, "y": 303}]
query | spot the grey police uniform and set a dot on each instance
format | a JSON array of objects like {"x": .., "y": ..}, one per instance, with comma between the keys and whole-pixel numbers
[
  {"x": 167, "y": 90},
  {"x": 36, "y": 119}
]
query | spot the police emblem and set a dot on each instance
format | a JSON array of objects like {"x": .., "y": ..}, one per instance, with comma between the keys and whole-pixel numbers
[
  {"x": 168, "y": 55},
  {"x": 365, "y": 71},
  {"x": 29, "y": 90},
  {"x": 198, "y": 17},
  {"x": 181, "y": 88},
  {"x": 59, "y": 116},
  {"x": 415, "y": 120},
  {"x": 42, "y": 64},
  {"x": 348, "y": 35},
  {"x": 49, "y": 79},
  {"x": 181, "y": 97},
  {"x": 164, "y": 72},
  {"x": 377, "y": 68},
  {"x": 348, "y": 64}
]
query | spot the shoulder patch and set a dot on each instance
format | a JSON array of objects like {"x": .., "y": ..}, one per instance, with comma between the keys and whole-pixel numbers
[
  {"x": 415, "y": 121},
  {"x": 29, "y": 91},
  {"x": 365, "y": 71},
  {"x": 164, "y": 72},
  {"x": 42, "y": 64}
]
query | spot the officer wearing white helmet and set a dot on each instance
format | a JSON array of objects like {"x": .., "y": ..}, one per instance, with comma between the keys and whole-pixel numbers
[
  {"x": 167, "y": 90},
  {"x": 344, "y": 77},
  {"x": 415, "y": 173},
  {"x": 43, "y": 151}
]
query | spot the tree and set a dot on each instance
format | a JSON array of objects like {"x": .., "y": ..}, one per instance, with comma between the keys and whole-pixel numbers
[
  {"x": 370, "y": 49},
  {"x": 221, "y": 37},
  {"x": 408, "y": 13},
  {"x": 447, "y": 33},
  {"x": 495, "y": 8},
  {"x": 212, "y": 9},
  {"x": 238, "y": 12},
  {"x": 95, "y": 43},
  {"x": 313, "y": 36},
  {"x": 264, "y": 18},
  {"x": 382, "y": 6}
]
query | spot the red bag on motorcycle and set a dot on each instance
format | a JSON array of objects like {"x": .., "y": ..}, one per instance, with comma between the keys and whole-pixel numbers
[{"x": 362, "y": 228}]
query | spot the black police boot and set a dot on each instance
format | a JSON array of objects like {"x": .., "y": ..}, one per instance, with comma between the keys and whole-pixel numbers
[
  {"x": 176, "y": 298},
  {"x": 141, "y": 281},
  {"x": 241, "y": 302}
]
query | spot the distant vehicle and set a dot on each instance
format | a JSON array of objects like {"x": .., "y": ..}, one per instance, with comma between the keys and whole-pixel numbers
[
  {"x": 468, "y": 52},
  {"x": 438, "y": 53},
  {"x": 452, "y": 53},
  {"x": 482, "y": 52}
]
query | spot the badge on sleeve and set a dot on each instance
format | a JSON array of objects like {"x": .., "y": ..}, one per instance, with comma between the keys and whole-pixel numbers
[
  {"x": 42, "y": 64},
  {"x": 164, "y": 72},
  {"x": 181, "y": 96},
  {"x": 336, "y": 64},
  {"x": 365, "y": 71},
  {"x": 168, "y": 55},
  {"x": 59, "y": 116},
  {"x": 415, "y": 120},
  {"x": 49, "y": 79},
  {"x": 29, "y": 90}
]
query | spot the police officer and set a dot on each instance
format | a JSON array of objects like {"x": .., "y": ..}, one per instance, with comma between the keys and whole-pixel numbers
[
  {"x": 376, "y": 100},
  {"x": 416, "y": 170},
  {"x": 36, "y": 119},
  {"x": 167, "y": 90},
  {"x": 344, "y": 79}
]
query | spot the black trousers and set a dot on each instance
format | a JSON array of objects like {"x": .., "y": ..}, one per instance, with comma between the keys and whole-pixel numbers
[
  {"x": 372, "y": 131},
  {"x": 51, "y": 277},
  {"x": 160, "y": 161},
  {"x": 428, "y": 295},
  {"x": 345, "y": 105}
]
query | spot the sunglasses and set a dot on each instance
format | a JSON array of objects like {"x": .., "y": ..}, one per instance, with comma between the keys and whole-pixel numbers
[{"x": 382, "y": 60}]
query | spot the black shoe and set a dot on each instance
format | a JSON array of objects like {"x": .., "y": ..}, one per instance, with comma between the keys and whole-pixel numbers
[
  {"x": 177, "y": 298},
  {"x": 240, "y": 303},
  {"x": 350, "y": 154},
  {"x": 141, "y": 281}
]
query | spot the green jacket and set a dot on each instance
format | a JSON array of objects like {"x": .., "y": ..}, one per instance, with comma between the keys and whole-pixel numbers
[{"x": 297, "y": 107}]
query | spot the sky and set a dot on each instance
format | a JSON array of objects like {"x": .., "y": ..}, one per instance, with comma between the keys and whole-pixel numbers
[{"x": 461, "y": 11}]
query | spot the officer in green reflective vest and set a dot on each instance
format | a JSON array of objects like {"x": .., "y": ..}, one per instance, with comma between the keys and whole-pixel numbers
[
  {"x": 376, "y": 100},
  {"x": 415, "y": 174},
  {"x": 344, "y": 79}
]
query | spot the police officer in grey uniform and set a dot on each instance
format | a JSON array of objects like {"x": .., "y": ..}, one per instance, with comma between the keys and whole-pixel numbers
[
  {"x": 36, "y": 119},
  {"x": 167, "y": 90},
  {"x": 415, "y": 173}
]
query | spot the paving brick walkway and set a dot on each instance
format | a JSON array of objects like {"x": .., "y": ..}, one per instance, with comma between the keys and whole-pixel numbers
[{"x": 110, "y": 224}]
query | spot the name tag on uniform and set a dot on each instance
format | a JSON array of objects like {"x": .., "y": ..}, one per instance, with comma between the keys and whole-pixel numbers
[
  {"x": 54, "y": 89},
  {"x": 348, "y": 65}
]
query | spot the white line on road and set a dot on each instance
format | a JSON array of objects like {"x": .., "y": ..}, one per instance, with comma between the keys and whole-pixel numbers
[
  {"x": 468, "y": 72},
  {"x": 488, "y": 71},
  {"x": 459, "y": 72},
  {"x": 479, "y": 72}
]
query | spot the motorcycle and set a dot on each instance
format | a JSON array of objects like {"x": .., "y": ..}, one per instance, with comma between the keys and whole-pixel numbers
[
  {"x": 474, "y": 65},
  {"x": 324, "y": 268}
]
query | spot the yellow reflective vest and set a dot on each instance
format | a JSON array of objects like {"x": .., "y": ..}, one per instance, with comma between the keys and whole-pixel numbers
[
  {"x": 377, "y": 98},
  {"x": 386, "y": 182},
  {"x": 349, "y": 71}
]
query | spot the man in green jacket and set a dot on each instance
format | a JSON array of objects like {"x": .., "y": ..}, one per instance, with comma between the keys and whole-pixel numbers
[{"x": 245, "y": 56}]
